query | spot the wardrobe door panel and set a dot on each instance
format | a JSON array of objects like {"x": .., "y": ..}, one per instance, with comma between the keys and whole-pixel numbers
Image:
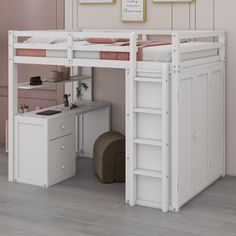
[
  {"x": 216, "y": 123},
  {"x": 200, "y": 129},
  {"x": 185, "y": 126}
]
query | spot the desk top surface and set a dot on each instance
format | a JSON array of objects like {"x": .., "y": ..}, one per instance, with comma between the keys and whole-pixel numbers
[{"x": 86, "y": 106}]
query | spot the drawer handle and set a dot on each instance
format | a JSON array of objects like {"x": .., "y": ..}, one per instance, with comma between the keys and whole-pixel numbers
[
  {"x": 62, "y": 147},
  {"x": 62, "y": 167},
  {"x": 196, "y": 135},
  {"x": 62, "y": 126}
]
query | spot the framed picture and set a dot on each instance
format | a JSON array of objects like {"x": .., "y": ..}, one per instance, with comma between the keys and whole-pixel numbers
[
  {"x": 173, "y": 1},
  {"x": 96, "y": 1},
  {"x": 133, "y": 11}
]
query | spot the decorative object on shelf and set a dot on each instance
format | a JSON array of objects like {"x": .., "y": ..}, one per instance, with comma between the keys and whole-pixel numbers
[
  {"x": 81, "y": 86},
  {"x": 65, "y": 73},
  {"x": 66, "y": 101},
  {"x": 133, "y": 11},
  {"x": 170, "y": 1},
  {"x": 21, "y": 109},
  {"x": 96, "y": 1},
  {"x": 35, "y": 80},
  {"x": 26, "y": 108},
  {"x": 54, "y": 76}
]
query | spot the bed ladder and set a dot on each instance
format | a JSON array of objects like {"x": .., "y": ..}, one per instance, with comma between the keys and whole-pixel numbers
[{"x": 162, "y": 173}]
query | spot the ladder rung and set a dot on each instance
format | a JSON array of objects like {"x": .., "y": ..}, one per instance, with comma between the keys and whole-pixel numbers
[
  {"x": 149, "y": 71},
  {"x": 152, "y": 142},
  {"x": 148, "y": 110},
  {"x": 149, "y": 173},
  {"x": 148, "y": 79}
]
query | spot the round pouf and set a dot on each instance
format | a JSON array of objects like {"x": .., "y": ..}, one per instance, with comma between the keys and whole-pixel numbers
[{"x": 109, "y": 157}]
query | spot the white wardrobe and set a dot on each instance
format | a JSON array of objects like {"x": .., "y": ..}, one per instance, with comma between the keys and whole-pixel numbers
[{"x": 200, "y": 134}]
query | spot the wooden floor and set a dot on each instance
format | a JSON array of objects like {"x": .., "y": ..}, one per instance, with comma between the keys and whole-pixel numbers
[{"x": 82, "y": 206}]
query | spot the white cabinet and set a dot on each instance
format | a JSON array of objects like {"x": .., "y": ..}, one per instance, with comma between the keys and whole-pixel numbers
[
  {"x": 45, "y": 149},
  {"x": 200, "y": 135}
]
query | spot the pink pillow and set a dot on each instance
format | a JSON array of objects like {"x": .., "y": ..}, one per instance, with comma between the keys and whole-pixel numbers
[{"x": 106, "y": 40}]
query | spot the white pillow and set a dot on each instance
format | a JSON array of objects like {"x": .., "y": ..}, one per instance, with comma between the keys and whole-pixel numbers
[{"x": 48, "y": 40}]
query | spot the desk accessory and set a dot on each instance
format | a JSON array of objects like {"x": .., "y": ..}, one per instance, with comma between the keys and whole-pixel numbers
[{"x": 48, "y": 112}]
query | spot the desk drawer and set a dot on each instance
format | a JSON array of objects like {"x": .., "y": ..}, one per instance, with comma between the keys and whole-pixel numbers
[
  {"x": 61, "y": 158},
  {"x": 60, "y": 127}
]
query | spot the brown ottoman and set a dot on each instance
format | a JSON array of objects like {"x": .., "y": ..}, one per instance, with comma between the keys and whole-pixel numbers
[{"x": 109, "y": 157}]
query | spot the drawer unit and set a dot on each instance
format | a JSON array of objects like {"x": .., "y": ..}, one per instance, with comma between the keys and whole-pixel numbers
[
  {"x": 61, "y": 126},
  {"x": 61, "y": 158},
  {"x": 45, "y": 149}
]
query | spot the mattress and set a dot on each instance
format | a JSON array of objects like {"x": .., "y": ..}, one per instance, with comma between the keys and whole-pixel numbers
[{"x": 161, "y": 53}]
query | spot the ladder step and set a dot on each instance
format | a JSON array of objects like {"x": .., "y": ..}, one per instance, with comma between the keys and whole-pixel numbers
[
  {"x": 149, "y": 173},
  {"x": 148, "y": 110},
  {"x": 152, "y": 142},
  {"x": 148, "y": 79},
  {"x": 150, "y": 71}
]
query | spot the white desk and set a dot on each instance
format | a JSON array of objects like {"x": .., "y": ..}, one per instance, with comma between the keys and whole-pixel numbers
[{"x": 46, "y": 145}]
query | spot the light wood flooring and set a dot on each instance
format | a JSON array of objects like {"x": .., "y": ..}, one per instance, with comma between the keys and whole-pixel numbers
[{"x": 82, "y": 206}]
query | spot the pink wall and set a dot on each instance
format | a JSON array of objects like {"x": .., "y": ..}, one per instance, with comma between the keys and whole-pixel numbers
[
  {"x": 201, "y": 14},
  {"x": 23, "y": 15}
]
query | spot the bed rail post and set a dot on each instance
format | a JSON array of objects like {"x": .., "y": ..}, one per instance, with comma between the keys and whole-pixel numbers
[
  {"x": 222, "y": 52},
  {"x": 174, "y": 150},
  {"x": 12, "y": 102},
  {"x": 130, "y": 122}
]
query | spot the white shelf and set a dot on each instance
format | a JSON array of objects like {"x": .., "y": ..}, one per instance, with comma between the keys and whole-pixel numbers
[
  {"x": 148, "y": 110},
  {"x": 152, "y": 142},
  {"x": 48, "y": 83},
  {"x": 148, "y": 173},
  {"x": 148, "y": 79}
]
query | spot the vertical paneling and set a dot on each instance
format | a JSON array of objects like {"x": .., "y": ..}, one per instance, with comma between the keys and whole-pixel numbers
[
  {"x": 224, "y": 19},
  {"x": 181, "y": 16},
  {"x": 204, "y": 14}
]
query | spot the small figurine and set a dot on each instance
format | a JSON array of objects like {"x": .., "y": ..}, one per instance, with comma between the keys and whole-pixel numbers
[
  {"x": 66, "y": 101},
  {"x": 26, "y": 108}
]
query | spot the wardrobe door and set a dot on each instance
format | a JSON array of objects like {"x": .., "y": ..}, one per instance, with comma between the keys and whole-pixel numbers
[
  {"x": 185, "y": 138},
  {"x": 216, "y": 123},
  {"x": 200, "y": 129}
]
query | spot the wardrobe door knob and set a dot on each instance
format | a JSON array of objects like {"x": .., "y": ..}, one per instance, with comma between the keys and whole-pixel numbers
[
  {"x": 62, "y": 126},
  {"x": 196, "y": 135},
  {"x": 62, "y": 147},
  {"x": 62, "y": 167}
]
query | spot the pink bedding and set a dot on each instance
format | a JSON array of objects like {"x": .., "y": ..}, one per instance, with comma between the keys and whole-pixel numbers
[
  {"x": 31, "y": 52},
  {"x": 124, "y": 56}
]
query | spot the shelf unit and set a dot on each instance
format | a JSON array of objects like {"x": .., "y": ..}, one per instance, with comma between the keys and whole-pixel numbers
[{"x": 45, "y": 83}]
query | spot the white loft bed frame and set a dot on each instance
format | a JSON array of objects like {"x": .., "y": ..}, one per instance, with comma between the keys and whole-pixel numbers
[{"x": 136, "y": 71}]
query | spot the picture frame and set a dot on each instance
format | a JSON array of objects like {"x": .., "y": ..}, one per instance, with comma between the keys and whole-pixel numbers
[
  {"x": 171, "y": 1},
  {"x": 96, "y": 1},
  {"x": 133, "y": 11}
]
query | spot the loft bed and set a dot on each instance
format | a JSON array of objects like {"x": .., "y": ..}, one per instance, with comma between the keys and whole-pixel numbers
[{"x": 175, "y": 125}]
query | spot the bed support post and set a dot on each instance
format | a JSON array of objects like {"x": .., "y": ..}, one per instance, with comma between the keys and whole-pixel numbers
[
  {"x": 174, "y": 150},
  {"x": 12, "y": 102},
  {"x": 222, "y": 52},
  {"x": 130, "y": 123}
]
